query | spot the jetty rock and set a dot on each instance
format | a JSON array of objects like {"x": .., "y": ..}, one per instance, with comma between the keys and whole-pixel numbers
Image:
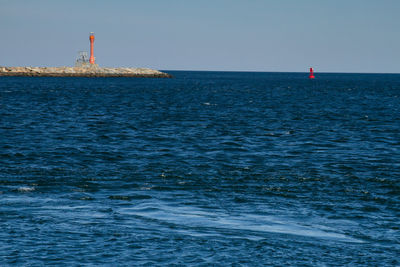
[{"x": 92, "y": 71}]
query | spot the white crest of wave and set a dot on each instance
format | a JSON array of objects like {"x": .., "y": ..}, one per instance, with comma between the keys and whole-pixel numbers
[
  {"x": 25, "y": 189},
  {"x": 194, "y": 217}
]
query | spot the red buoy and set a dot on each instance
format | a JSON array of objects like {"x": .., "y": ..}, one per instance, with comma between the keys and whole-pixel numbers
[{"x": 311, "y": 74}]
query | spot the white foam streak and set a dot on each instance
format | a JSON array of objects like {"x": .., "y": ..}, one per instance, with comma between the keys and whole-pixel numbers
[{"x": 194, "y": 218}]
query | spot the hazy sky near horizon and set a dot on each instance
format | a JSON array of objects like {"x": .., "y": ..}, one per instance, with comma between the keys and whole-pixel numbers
[{"x": 238, "y": 35}]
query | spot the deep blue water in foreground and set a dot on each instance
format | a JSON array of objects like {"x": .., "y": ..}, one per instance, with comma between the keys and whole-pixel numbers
[{"x": 208, "y": 168}]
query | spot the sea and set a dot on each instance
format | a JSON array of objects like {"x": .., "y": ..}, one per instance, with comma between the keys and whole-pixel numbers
[{"x": 204, "y": 169}]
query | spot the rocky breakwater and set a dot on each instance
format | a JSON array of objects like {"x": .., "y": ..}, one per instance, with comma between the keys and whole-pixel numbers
[{"x": 92, "y": 71}]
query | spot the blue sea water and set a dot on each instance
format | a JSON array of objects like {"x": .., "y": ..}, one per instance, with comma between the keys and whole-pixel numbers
[{"x": 207, "y": 168}]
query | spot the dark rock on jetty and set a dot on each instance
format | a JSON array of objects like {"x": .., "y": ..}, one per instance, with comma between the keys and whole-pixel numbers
[{"x": 92, "y": 71}]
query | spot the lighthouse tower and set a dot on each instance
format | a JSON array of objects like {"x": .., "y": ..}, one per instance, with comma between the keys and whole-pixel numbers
[{"x": 92, "y": 58}]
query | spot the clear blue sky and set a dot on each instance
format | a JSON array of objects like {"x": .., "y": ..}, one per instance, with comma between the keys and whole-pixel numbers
[{"x": 248, "y": 35}]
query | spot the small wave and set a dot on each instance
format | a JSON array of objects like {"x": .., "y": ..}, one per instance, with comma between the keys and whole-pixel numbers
[
  {"x": 131, "y": 197},
  {"x": 258, "y": 225},
  {"x": 120, "y": 197},
  {"x": 26, "y": 189}
]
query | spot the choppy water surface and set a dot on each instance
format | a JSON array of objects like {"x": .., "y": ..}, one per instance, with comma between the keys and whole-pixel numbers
[{"x": 203, "y": 169}]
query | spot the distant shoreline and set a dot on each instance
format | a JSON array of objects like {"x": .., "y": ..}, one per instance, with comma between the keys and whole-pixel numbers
[{"x": 93, "y": 71}]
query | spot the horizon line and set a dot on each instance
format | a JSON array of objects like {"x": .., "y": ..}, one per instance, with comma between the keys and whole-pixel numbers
[{"x": 261, "y": 71}]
